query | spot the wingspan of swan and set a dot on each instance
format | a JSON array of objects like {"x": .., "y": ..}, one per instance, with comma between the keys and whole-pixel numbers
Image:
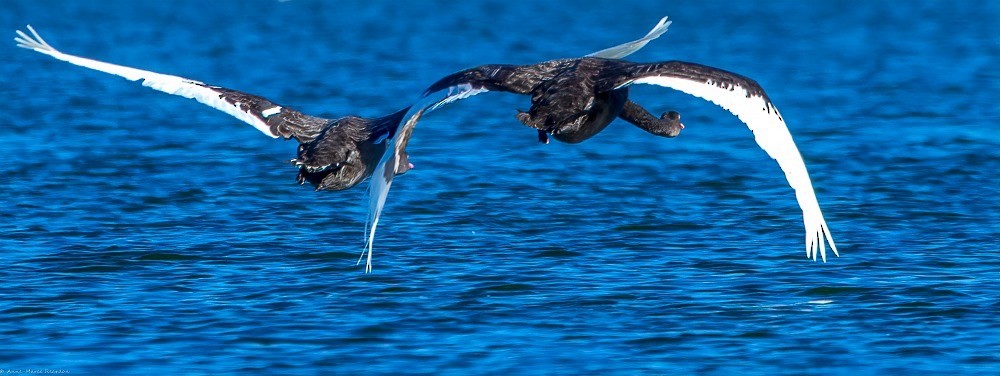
[
  {"x": 772, "y": 135},
  {"x": 625, "y": 49},
  {"x": 381, "y": 180},
  {"x": 166, "y": 83}
]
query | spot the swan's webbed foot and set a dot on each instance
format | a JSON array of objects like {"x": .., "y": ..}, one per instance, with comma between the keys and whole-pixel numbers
[{"x": 543, "y": 137}]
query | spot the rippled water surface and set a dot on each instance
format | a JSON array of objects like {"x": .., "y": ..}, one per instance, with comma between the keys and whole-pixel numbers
[{"x": 141, "y": 232}]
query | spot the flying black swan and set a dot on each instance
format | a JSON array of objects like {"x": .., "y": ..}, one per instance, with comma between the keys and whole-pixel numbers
[{"x": 574, "y": 99}]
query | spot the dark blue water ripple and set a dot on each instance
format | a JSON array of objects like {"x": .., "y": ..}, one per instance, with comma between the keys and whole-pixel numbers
[{"x": 141, "y": 233}]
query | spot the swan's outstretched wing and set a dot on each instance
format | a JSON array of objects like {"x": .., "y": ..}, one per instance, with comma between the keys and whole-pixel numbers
[
  {"x": 270, "y": 118},
  {"x": 746, "y": 99},
  {"x": 381, "y": 179},
  {"x": 519, "y": 79},
  {"x": 625, "y": 49}
]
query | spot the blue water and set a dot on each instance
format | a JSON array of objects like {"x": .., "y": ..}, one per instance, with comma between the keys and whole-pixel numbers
[{"x": 143, "y": 233}]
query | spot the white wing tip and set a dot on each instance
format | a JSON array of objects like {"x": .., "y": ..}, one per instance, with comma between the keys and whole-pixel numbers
[
  {"x": 625, "y": 49},
  {"x": 660, "y": 28},
  {"x": 816, "y": 239},
  {"x": 33, "y": 41}
]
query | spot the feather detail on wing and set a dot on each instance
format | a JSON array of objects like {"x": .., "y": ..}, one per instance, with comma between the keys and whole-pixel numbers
[
  {"x": 746, "y": 99},
  {"x": 625, "y": 49},
  {"x": 381, "y": 180},
  {"x": 271, "y": 119}
]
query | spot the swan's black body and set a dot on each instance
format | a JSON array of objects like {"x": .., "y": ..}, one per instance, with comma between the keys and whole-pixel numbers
[
  {"x": 571, "y": 99},
  {"x": 346, "y": 151},
  {"x": 333, "y": 154}
]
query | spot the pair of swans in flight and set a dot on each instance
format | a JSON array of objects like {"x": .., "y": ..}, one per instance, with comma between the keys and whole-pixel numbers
[{"x": 571, "y": 100}]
